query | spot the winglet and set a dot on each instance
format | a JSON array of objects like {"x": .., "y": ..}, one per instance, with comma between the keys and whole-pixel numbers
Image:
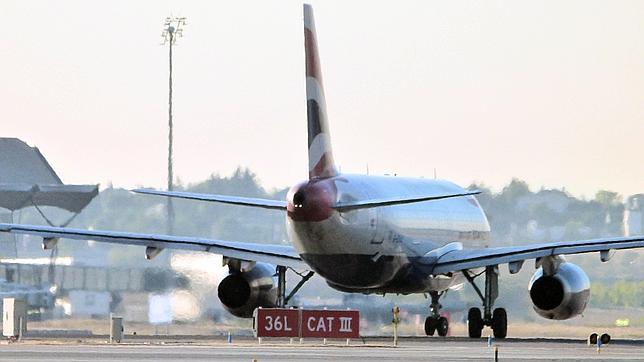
[{"x": 321, "y": 162}]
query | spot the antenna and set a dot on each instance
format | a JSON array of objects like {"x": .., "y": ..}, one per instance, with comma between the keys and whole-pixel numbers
[{"x": 172, "y": 30}]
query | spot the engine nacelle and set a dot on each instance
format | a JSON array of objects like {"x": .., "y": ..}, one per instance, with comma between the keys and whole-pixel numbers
[
  {"x": 561, "y": 295},
  {"x": 242, "y": 292}
]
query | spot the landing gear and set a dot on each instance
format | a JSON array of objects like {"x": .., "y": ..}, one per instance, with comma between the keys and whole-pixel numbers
[
  {"x": 430, "y": 326},
  {"x": 439, "y": 325},
  {"x": 282, "y": 298},
  {"x": 435, "y": 322},
  {"x": 442, "y": 327},
  {"x": 281, "y": 286},
  {"x": 474, "y": 323},
  {"x": 498, "y": 319},
  {"x": 500, "y": 323}
]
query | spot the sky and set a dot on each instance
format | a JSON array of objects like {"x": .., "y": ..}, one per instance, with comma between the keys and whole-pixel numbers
[{"x": 551, "y": 92}]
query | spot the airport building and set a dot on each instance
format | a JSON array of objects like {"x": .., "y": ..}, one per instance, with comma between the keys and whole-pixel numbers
[{"x": 633, "y": 220}]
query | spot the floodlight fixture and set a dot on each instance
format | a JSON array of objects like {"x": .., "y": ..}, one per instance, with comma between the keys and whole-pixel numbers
[{"x": 172, "y": 29}]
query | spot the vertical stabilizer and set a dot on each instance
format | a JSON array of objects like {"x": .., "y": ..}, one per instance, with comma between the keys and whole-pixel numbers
[{"x": 321, "y": 162}]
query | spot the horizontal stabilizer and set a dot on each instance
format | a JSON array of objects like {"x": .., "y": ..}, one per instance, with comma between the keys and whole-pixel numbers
[
  {"x": 233, "y": 200},
  {"x": 365, "y": 204}
]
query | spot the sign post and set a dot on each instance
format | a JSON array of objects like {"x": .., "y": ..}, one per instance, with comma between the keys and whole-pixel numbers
[{"x": 395, "y": 321}]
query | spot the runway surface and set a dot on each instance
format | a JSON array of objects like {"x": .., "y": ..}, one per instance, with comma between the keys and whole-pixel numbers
[{"x": 372, "y": 350}]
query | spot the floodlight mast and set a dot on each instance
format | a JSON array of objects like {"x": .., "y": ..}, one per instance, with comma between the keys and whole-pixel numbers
[{"x": 172, "y": 30}]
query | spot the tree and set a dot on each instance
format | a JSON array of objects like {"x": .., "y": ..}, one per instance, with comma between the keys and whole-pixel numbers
[{"x": 608, "y": 198}]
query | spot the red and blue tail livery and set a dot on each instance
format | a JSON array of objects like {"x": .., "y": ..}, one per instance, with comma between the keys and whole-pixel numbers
[{"x": 321, "y": 162}]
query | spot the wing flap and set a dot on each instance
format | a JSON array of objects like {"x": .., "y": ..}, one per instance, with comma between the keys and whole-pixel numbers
[
  {"x": 469, "y": 259},
  {"x": 226, "y": 199},
  {"x": 274, "y": 254}
]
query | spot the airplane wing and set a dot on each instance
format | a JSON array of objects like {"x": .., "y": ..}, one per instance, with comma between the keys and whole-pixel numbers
[
  {"x": 369, "y": 203},
  {"x": 233, "y": 200},
  {"x": 457, "y": 260},
  {"x": 274, "y": 254}
]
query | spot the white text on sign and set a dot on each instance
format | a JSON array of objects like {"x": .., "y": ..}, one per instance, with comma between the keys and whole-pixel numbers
[
  {"x": 277, "y": 323},
  {"x": 306, "y": 323}
]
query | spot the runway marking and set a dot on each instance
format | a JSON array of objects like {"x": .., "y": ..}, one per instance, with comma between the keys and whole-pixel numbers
[{"x": 417, "y": 350}]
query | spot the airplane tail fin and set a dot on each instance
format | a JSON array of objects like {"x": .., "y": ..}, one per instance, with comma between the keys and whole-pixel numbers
[{"x": 321, "y": 162}]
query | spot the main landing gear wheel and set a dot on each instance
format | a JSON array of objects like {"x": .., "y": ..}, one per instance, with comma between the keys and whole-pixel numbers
[
  {"x": 497, "y": 319},
  {"x": 430, "y": 326},
  {"x": 500, "y": 323},
  {"x": 442, "y": 326},
  {"x": 439, "y": 325},
  {"x": 474, "y": 323}
]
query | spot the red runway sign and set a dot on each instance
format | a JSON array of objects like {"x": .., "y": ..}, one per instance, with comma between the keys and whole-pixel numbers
[
  {"x": 277, "y": 322},
  {"x": 331, "y": 323}
]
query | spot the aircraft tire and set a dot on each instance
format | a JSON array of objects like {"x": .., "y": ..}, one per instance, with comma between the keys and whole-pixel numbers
[
  {"x": 500, "y": 323},
  {"x": 592, "y": 339},
  {"x": 442, "y": 326},
  {"x": 605, "y": 338},
  {"x": 430, "y": 326},
  {"x": 474, "y": 323}
]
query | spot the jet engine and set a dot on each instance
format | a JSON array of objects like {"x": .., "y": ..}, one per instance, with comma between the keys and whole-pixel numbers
[
  {"x": 242, "y": 291},
  {"x": 561, "y": 294}
]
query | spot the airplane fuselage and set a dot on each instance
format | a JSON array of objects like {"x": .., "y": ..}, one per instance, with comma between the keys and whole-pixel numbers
[{"x": 376, "y": 250}]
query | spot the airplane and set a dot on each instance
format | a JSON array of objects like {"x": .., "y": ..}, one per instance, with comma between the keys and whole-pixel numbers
[{"x": 372, "y": 234}]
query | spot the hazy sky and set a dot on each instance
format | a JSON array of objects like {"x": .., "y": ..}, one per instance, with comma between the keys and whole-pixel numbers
[{"x": 548, "y": 91}]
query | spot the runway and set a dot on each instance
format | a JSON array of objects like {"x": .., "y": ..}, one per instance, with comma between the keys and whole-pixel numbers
[{"x": 408, "y": 350}]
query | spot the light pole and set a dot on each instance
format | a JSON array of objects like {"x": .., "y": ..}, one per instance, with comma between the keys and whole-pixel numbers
[{"x": 172, "y": 30}]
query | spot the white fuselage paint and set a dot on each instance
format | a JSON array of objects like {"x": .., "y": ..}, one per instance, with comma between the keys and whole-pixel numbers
[{"x": 387, "y": 240}]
